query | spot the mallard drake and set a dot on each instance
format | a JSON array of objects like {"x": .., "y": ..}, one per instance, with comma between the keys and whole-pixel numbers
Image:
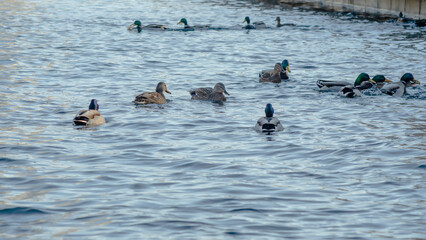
[
  {"x": 188, "y": 28},
  {"x": 285, "y": 69},
  {"x": 138, "y": 25},
  {"x": 398, "y": 89},
  {"x": 278, "y": 20},
  {"x": 273, "y": 77},
  {"x": 153, "y": 97},
  {"x": 255, "y": 24},
  {"x": 355, "y": 91},
  {"x": 337, "y": 85},
  {"x": 90, "y": 117},
  {"x": 215, "y": 94},
  {"x": 269, "y": 123}
]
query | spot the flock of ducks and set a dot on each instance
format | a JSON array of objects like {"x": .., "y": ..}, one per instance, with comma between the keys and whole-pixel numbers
[
  {"x": 269, "y": 123},
  {"x": 137, "y": 25}
]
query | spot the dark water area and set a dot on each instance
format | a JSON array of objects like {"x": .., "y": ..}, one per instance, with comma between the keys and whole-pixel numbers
[{"x": 341, "y": 169}]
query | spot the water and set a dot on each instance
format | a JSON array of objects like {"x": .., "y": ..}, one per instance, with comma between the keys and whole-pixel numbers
[{"x": 341, "y": 169}]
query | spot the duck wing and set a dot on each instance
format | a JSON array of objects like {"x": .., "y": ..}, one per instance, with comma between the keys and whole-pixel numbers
[
  {"x": 150, "y": 97},
  {"x": 394, "y": 89},
  {"x": 201, "y": 93},
  {"x": 326, "y": 85}
]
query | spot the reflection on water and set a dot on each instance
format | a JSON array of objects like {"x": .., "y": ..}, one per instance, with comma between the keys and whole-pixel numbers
[{"x": 342, "y": 168}]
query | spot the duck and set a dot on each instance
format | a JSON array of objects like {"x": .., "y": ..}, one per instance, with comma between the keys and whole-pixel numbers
[
  {"x": 156, "y": 97},
  {"x": 337, "y": 85},
  {"x": 255, "y": 24},
  {"x": 138, "y": 25},
  {"x": 355, "y": 91},
  {"x": 273, "y": 76},
  {"x": 398, "y": 89},
  {"x": 215, "y": 94},
  {"x": 278, "y": 20},
  {"x": 190, "y": 28},
  {"x": 90, "y": 117},
  {"x": 285, "y": 69},
  {"x": 269, "y": 123}
]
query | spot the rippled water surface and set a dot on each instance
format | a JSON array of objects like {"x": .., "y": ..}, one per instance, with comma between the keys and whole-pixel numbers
[{"x": 341, "y": 169}]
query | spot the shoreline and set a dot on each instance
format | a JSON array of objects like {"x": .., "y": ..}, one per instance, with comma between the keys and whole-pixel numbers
[{"x": 380, "y": 10}]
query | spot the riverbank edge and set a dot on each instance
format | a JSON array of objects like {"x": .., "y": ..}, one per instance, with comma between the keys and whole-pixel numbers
[{"x": 410, "y": 10}]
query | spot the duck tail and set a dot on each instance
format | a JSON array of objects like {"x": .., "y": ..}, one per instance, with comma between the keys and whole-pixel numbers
[
  {"x": 81, "y": 121},
  {"x": 320, "y": 84}
]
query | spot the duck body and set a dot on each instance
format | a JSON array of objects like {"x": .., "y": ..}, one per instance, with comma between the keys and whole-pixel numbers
[
  {"x": 156, "y": 97},
  {"x": 90, "y": 117},
  {"x": 187, "y": 27},
  {"x": 215, "y": 94},
  {"x": 398, "y": 89},
  {"x": 337, "y": 85},
  {"x": 256, "y": 25},
  {"x": 273, "y": 77},
  {"x": 138, "y": 26},
  {"x": 269, "y": 123},
  {"x": 278, "y": 20},
  {"x": 285, "y": 69}
]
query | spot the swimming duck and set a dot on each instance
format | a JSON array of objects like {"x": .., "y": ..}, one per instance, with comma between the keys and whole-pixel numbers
[
  {"x": 90, "y": 117},
  {"x": 138, "y": 25},
  {"x": 355, "y": 91},
  {"x": 269, "y": 123},
  {"x": 153, "y": 97},
  {"x": 215, "y": 94},
  {"x": 337, "y": 85},
  {"x": 189, "y": 28},
  {"x": 273, "y": 77},
  {"x": 255, "y": 24},
  {"x": 399, "y": 88},
  {"x": 278, "y": 20},
  {"x": 285, "y": 69}
]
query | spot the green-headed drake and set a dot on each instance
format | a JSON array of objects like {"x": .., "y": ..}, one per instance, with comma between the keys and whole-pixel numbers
[
  {"x": 269, "y": 123},
  {"x": 255, "y": 24},
  {"x": 138, "y": 26},
  {"x": 189, "y": 28},
  {"x": 215, "y": 94},
  {"x": 156, "y": 97},
  {"x": 337, "y": 85},
  {"x": 90, "y": 117},
  {"x": 398, "y": 89},
  {"x": 355, "y": 91},
  {"x": 285, "y": 69}
]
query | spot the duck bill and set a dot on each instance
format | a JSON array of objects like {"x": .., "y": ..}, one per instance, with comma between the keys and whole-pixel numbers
[
  {"x": 131, "y": 25},
  {"x": 226, "y": 93},
  {"x": 387, "y": 80},
  {"x": 415, "y": 82},
  {"x": 179, "y": 22},
  {"x": 373, "y": 82},
  {"x": 244, "y": 21},
  {"x": 167, "y": 91},
  {"x": 288, "y": 69}
]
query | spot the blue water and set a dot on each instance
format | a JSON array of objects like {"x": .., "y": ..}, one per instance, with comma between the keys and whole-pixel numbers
[{"x": 341, "y": 169}]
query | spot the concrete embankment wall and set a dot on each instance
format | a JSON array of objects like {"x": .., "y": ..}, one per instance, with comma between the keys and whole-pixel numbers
[{"x": 414, "y": 9}]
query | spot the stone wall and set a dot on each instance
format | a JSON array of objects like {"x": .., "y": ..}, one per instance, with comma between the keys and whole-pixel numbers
[{"x": 414, "y": 9}]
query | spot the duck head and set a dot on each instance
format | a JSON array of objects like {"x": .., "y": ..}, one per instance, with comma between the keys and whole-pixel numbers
[
  {"x": 93, "y": 105},
  {"x": 277, "y": 68},
  {"x": 408, "y": 80},
  {"x": 183, "y": 20},
  {"x": 285, "y": 65},
  {"x": 220, "y": 88},
  {"x": 362, "y": 78},
  {"x": 247, "y": 20},
  {"x": 269, "y": 110},
  {"x": 380, "y": 79},
  {"x": 161, "y": 87},
  {"x": 278, "y": 20}
]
